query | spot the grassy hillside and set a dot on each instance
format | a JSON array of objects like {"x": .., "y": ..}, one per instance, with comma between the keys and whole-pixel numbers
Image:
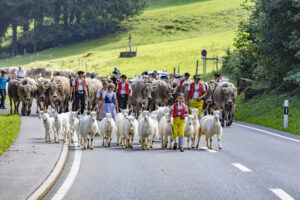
[
  {"x": 267, "y": 110},
  {"x": 168, "y": 34}
]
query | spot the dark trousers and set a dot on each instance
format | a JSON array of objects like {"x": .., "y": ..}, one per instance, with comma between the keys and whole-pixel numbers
[
  {"x": 122, "y": 100},
  {"x": 79, "y": 99},
  {"x": 2, "y": 100}
]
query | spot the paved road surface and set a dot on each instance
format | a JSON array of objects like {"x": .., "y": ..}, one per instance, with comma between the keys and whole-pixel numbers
[{"x": 252, "y": 165}]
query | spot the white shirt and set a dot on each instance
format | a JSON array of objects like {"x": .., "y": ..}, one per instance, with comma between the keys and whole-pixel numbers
[
  {"x": 196, "y": 93},
  {"x": 220, "y": 81},
  {"x": 123, "y": 88},
  {"x": 179, "y": 108},
  {"x": 99, "y": 92},
  {"x": 20, "y": 73},
  {"x": 80, "y": 86}
]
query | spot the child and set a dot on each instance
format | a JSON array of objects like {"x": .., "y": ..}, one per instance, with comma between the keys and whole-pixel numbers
[
  {"x": 109, "y": 101},
  {"x": 99, "y": 97},
  {"x": 3, "y": 81},
  {"x": 179, "y": 111}
]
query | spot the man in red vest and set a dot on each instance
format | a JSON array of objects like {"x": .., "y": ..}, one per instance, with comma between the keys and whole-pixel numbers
[
  {"x": 123, "y": 91},
  {"x": 80, "y": 87},
  {"x": 196, "y": 94},
  {"x": 218, "y": 78},
  {"x": 181, "y": 82}
]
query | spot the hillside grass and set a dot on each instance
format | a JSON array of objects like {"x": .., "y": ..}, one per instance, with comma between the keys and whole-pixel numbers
[
  {"x": 10, "y": 127},
  {"x": 267, "y": 110},
  {"x": 169, "y": 33}
]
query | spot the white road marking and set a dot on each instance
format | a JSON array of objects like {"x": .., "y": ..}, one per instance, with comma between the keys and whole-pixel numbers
[
  {"x": 65, "y": 187},
  {"x": 281, "y": 194},
  {"x": 241, "y": 167},
  {"x": 268, "y": 132},
  {"x": 209, "y": 150}
]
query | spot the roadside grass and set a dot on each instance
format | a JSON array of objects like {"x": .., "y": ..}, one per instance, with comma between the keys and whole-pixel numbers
[
  {"x": 10, "y": 127},
  {"x": 267, "y": 110},
  {"x": 167, "y": 34}
]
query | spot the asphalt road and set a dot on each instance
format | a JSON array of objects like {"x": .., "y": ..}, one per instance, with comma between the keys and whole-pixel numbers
[{"x": 252, "y": 165}]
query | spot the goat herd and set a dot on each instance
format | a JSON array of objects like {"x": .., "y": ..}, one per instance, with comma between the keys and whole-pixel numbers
[{"x": 52, "y": 94}]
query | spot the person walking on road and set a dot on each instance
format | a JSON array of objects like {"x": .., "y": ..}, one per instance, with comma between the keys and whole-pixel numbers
[
  {"x": 3, "y": 81},
  {"x": 181, "y": 82},
  {"x": 218, "y": 78},
  {"x": 20, "y": 73},
  {"x": 80, "y": 87},
  {"x": 179, "y": 111},
  {"x": 196, "y": 94},
  {"x": 123, "y": 91},
  {"x": 99, "y": 97},
  {"x": 109, "y": 102}
]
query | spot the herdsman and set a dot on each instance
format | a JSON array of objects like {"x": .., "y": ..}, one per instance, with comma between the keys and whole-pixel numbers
[
  {"x": 196, "y": 94},
  {"x": 3, "y": 81},
  {"x": 20, "y": 73},
  {"x": 218, "y": 78},
  {"x": 178, "y": 111},
  {"x": 123, "y": 91},
  {"x": 80, "y": 88},
  {"x": 181, "y": 82}
]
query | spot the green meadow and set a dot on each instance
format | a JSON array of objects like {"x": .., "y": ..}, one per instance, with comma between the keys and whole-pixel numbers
[{"x": 167, "y": 34}]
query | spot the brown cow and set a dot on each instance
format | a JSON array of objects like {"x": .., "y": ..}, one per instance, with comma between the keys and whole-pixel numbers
[
  {"x": 11, "y": 72},
  {"x": 162, "y": 94},
  {"x": 41, "y": 98},
  {"x": 209, "y": 102},
  {"x": 225, "y": 96},
  {"x": 38, "y": 72},
  {"x": 59, "y": 93},
  {"x": 141, "y": 94},
  {"x": 94, "y": 86},
  {"x": 65, "y": 73},
  {"x": 13, "y": 95},
  {"x": 26, "y": 92}
]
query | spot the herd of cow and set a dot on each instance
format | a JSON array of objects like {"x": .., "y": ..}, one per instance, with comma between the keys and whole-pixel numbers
[{"x": 53, "y": 90}]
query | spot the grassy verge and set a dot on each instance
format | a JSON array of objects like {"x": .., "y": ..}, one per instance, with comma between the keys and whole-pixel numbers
[
  {"x": 10, "y": 127},
  {"x": 267, "y": 110}
]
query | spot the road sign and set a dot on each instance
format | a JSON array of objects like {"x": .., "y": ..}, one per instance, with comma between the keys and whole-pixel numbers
[{"x": 204, "y": 53}]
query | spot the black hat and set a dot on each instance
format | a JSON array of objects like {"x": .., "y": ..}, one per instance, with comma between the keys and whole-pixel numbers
[
  {"x": 197, "y": 76},
  {"x": 80, "y": 72},
  {"x": 217, "y": 74},
  {"x": 123, "y": 76},
  {"x": 3, "y": 72},
  {"x": 187, "y": 74}
]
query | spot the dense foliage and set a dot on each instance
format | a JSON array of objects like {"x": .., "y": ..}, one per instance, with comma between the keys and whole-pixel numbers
[
  {"x": 268, "y": 45},
  {"x": 48, "y": 23}
]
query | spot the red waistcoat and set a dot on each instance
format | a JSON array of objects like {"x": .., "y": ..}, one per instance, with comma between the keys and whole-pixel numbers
[
  {"x": 192, "y": 89},
  {"x": 175, "y": 111},
  {"x": 126, "y": 88},
  {"x": 180, "y": 86},
  {"x": 77, "y": 84}
]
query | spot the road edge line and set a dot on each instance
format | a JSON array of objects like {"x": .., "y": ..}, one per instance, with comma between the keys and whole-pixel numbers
[
  {"x": 268, "y": 132},
  {"x": 44, "y": 188}
]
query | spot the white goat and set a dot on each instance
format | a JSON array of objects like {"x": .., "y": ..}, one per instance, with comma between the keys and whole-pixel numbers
[
  {"x": 189, "y": 129},
  {"x": 107, "y": 128},
  {"x": 49, "y": 126},
  {"x": 119, "y": 118},
  {"x": 146, "y": 130},
  {"x": 209, "y": 126},
  {"x": 196, "y": 125},
  {"x": 129, "y": 130},
  {"x": 88, "y": 129},
  {"x": 62, "y": 125},
  {"x": 166, "y": 131}
]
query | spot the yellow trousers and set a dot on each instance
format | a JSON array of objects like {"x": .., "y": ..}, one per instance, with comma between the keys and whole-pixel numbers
[
  {"x": 178, "y": 126},
  {"x": 194, "y": 103}
]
